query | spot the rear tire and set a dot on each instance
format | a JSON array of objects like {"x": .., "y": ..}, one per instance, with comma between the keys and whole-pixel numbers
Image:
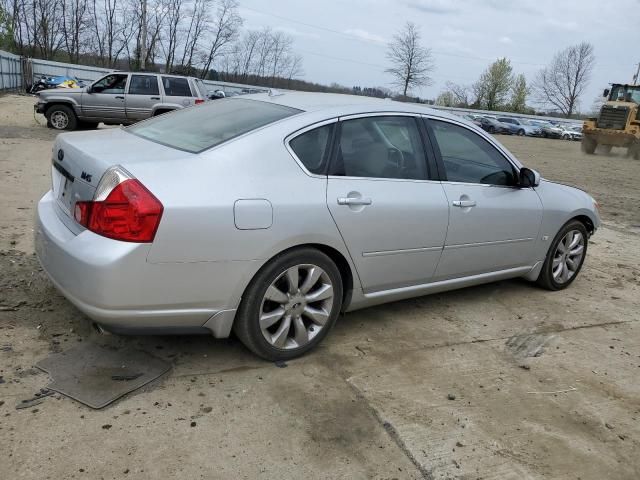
[
  {"x": 521, "y": 133},
  {"x": 491, "y": 129},
  {"x": 61, "y": 117},
  {"x": 278, "y": 318},
  {"x": 589, "y": 145},
  {"x": 563, "y": 258}
]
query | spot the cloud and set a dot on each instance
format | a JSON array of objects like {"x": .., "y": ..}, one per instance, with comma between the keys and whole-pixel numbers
[
  {"x": 505, "y": 40},
  {"x": 366, "y": 36},
  {"x": 439, "y": 7},
  {"x": 569, "y": 25}
]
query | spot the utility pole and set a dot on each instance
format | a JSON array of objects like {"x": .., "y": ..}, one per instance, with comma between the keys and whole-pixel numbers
[
  {"x": 635, "y": 77},
  {"x": 143, "y": 34}
]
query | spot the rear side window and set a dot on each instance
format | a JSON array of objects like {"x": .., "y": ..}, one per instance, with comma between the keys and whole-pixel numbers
[
  {"x": 380, "y": 147},
  {"x": 204, "y": 126},
  {"x": 176, "y": 87},
  {"x": 312, "y": 148},
  {"x": 144, "y": 85}
]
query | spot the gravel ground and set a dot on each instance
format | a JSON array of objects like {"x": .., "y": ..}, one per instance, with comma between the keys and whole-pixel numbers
[{"x": 501, "y": 381}]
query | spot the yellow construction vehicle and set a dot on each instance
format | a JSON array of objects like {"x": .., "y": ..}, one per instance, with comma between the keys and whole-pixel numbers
[{"x": 618, "y": 124}]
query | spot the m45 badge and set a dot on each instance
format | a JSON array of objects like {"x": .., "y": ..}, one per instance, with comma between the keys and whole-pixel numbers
[{"x": 86, "y": 177}]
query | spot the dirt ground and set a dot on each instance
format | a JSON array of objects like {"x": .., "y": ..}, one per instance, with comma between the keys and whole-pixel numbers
[{"x": 502, "y": 381}]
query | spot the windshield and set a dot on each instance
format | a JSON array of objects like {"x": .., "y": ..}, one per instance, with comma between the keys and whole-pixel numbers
[
  {"x": 625, "y": 93},
  {"x": 204, "y": 126}
]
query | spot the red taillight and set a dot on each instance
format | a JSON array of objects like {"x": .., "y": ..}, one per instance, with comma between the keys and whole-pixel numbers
[
  {"x": 129, "y": 213},
  {"x": 199, "y": 101}
]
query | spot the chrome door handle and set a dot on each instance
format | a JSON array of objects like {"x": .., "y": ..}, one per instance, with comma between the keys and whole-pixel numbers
[
  {"x": 464, "y": 203},
  {"x": 155, "y": 98},
  {"x": 353, "y": 201},
  {"x": 120, "y": 98}
]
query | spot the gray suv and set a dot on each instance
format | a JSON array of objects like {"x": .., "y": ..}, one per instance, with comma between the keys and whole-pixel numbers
[{"x": 118, "y": 98}]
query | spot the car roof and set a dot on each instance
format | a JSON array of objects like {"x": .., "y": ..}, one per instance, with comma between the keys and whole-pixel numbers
[{"x": 337, "y": 104}]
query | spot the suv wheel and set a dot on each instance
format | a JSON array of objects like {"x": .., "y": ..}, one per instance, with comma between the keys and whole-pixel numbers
[
  {"x": 290, "y": 305},
  {"x": 61, "y": 117}
]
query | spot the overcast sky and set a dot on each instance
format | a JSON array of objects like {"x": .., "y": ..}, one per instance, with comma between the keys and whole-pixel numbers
[{"x": 344, "y": 41}]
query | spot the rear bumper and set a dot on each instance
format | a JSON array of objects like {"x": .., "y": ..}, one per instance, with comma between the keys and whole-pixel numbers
[{"x": 113, "y": 284}]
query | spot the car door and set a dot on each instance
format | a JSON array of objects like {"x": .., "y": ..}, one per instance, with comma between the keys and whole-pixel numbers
[
  {"x": 142, "y": 96},
  {"x": 391, "y": 215},
  {"x": 105, "y": 98},
  {"x": 177, "y": 92},
  {"x": 493, "y": 223}
]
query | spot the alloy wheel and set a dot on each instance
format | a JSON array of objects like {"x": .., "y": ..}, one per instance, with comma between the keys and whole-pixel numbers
[
  {"x": 296, "y": 306},
  {"x": 59, "y": 120},
  {"x": 568, "y": 256}
]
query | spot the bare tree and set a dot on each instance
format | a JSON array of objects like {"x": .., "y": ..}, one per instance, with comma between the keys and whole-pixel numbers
[
  {"x": 563, "y": 81},
  {"x": 411, "y": 63},
  {"x": 461, "y": 94},
  {"x": 225, "y": 30},
  {"x": 174, "y": 17},
  {"x": 198, "y": 25},
  {"x": 74, "y": 24}
]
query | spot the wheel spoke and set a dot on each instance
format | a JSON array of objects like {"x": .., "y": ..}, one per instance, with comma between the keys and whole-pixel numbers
[
  {"x": 322, "y": 293},
  {"x": 571, "y": 264},
  {"x": 558, "y": 270},
  {"x": 556, "y": 262},
  {"x": 279, "y": 339},
  {"x": 270, "y": 318},
  {"x": 301, "y": 335},
  {"x": 312, "y": 277},
  {"x": 565, "y": 273},
  {"x": 276, "y": 295},
  {"x": 576, "y": 251},
  {"x": 575, "y": 240},
  {"x": 562, "y": 248},
  {"x": 293, "y": 277},
  {"x": 317, "y": 315}
]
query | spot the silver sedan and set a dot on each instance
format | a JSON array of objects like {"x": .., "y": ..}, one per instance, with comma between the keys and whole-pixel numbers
[{"x": 269, "y": 214}]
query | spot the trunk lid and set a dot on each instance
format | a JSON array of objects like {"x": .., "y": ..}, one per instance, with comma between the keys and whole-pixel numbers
[{"x": 79, "y": 159}]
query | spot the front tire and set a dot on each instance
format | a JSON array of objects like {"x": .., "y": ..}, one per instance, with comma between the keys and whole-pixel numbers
[
  {"x": 521, "y": 133},
  {"x": 589, "y": 145},
  {"x": 61, "y": 117},
  {"x": 565, "y": 257},
  {"x": 290, "y": 305}
]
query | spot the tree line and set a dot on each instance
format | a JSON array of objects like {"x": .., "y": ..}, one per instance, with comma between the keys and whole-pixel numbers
[
  {"x": 191, "y": 37},
  {"x": 206, "y": 38},
  {"x": 557, "y": 86}
]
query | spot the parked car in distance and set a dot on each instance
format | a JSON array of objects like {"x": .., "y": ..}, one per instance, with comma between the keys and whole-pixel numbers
[
  {"x": 573, "y": 133},
  {"x": 550, "y": 130},
  {"x": 119, "y": 98},
  {"x": 522, "y": 127},
  {"x": 492, "y": 125},
  {"x": 269, "y": 215}
]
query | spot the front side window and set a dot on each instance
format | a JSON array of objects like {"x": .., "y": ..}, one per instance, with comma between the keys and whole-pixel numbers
[
  {"x": 176, "y": 86},
  {"x": 114, "y": 83},
  {"x": 313, "y": 148},
  {"x": 380, "y": 147},
  {"x": 144, "y": 85},
  {"x": 469, "y": 158},
  {"x": 204, "y": 126}
]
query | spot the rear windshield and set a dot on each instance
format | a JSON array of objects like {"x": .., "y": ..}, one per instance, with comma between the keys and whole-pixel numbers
[{"x": 204, "y": 126}]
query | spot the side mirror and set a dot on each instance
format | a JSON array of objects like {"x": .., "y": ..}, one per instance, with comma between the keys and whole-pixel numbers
[
  {"x": 528, "y": 178},
  {"x": 605, "y": 93}
]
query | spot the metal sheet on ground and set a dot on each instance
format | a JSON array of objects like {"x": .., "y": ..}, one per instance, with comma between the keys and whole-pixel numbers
[{"x": 98, "y": 375}]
